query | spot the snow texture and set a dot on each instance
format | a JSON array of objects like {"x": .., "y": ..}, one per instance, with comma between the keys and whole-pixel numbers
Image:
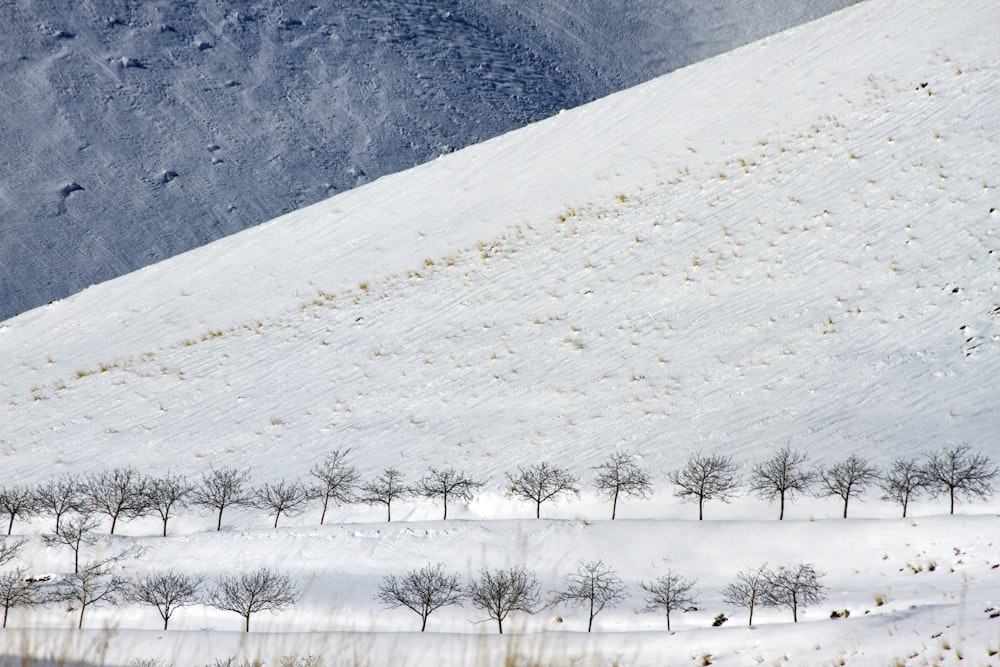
[
  {"x": 135, "y": 131},
  {"x": 653, "y": 273}
]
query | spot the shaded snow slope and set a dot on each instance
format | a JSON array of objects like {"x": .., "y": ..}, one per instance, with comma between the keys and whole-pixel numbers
[
  {"x": 652, "y": 273},
  {"x": 135, "y": 131}
]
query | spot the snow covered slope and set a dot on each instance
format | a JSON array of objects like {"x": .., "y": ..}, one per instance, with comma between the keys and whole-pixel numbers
[
  {"x": 134, "y": 131},
  {"x": 653, "y": 273}
]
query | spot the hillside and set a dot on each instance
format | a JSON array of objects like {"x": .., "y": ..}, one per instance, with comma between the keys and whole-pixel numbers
[
  {"x": 136, "y": 131},
  {"x": 652, "y": 273}
]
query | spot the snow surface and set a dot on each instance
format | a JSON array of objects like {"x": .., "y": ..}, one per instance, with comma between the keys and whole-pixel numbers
[
  {"x": 652, "y": 273},
  {"x": 135, "y": 131}
]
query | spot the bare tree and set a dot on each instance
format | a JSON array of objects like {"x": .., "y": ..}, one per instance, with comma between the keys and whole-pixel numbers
[
  {"x": 670, "y": 592},
  {"x": 960, "y": 473},
  {"x": 749, "y": 589},
  {"x": 539, "y": 483},
  {"x": 10, "y": 548},
  {"x": 59, "y": 497},
  {"x": 422, "y": 591},
  {"x": 116, "y": 493},
  {"x": 251, "y": 592},
  {"x": 438, "y": 483},
  {"x": 167, "y": 591},
  {"x": 386, "y": 488},
  {"x": 706, "y": 478},
  {"x": 594, "y": 585},
  {"x": 16, "y": 591},
  {"x": 849, "y": 477},
  {"x": 16, "y": 501},
  {"x": 164, "y": 494},
  {"x": 93, "y": 585},
  {"x": 501, "y": 591},
  {"x": 221, "y": 488},
  {"x": 619, "y": 475},
  {"x": 75, "y": 533},
  {"x": 288, "y": 498},
  {"x": 903, "y": 481},
  {"x": 782, "y": 476},
  {"x": 335, "y": 480},
  {"x": 794, "y": 587}
]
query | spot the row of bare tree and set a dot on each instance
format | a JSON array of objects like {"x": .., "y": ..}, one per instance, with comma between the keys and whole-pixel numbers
[
  {"x": 595, "y": 587},
  {"x": 124, "y": 493},
  {"x": 96, "y": 584},
  {"x": 498, "y": 592}
]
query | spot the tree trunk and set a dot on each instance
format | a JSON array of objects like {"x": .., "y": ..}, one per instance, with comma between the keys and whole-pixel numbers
[
  {"x": 500, "y": 625},
  {"x": 10, "y": 526},
  {"x": 79, "y": 623},
  {"x": 322, "y": 516},
  {"x": 668, "y": 620},
  {"x": 951, "y": 494},
  {"x": 114, "y": 520},
  {"x": 388, "y": 514},
  {"x": 781, "y": 513},
  {"x": 218, "y": 524},
  {"x": 423, "y": 622},
  {"x": 538, "y": 509},
  {"x": 845, "y": 508},
  {"x": 701, "y": 503},
  {"x": 590, "y": 622},
  {"x": 614, "y": 504},
  {"x": 276, "y": 519},
  {"x": 445, "y": 517},
  {"x": 246, "y": 626},
  {"x": 164, "y": 527},
  {"x": 750, "y": 622}
]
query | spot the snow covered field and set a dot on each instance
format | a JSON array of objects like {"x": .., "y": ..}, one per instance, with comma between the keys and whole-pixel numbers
[
  {"x": 132, "y": 132},
  {"x": 652, "y": 273}
]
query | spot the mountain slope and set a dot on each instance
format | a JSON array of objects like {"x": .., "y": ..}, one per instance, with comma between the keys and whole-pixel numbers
[
  {"x": 651, "y": 273},
  {"x": 134, "y": 131}
]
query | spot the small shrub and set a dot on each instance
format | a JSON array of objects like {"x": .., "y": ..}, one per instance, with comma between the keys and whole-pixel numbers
[
  {"x": 719, "y": 620},
  {"x": 879, "y": 599},
  {"x": 307, "y": 660},
  {"x": 232, "y": 662}
]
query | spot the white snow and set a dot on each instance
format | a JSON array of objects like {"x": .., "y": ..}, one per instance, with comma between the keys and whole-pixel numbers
[
  {"x": 791, "y": 243},
  {"x": 134, "y": 132}
]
